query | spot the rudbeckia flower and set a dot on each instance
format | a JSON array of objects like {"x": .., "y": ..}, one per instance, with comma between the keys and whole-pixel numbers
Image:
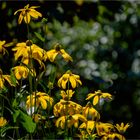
[
  {"x": 51, "y": 54},
  {"x": 3, "y": 121},
  {"x": 28, "y": 12},
  {"x": 39, "y": 99},
  {"x": 71, "y": 78},
  {"x": 113, "y": 136},
  {"x": 88, "y": 126},
  {"x": 63, "y": 108},
  {"x": 2, "y": 47},
  {"x": 4, "y": 78},
  {"x": 27, "y": 50},
  {"x": 67, "y": 95},
  {"x": 98, "y": 95},
  {"x": 69, "y": 121},
  {"x": 122, "y": 128},
  {"x": 22, "y": 72},
  {"x": 90, "y": 113},
  {"x": 104, "y": 128}
]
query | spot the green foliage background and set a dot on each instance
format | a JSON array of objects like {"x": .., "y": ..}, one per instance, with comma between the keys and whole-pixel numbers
[{"x": 103, "y": 39}]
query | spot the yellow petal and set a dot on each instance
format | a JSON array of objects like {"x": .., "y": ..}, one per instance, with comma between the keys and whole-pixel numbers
[
  {"x": 27, "y": 18},
  {"x": 35, "y": 13},
  {"x": 95, "y": 100},
  {"x": 72, "y": 81},
  {"x": 43, "y": 103}
]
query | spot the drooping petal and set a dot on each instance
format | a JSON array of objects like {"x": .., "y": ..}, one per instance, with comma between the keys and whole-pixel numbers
[
  {"x": 72, "y": 81},
  {"x": 27, "y": 18},
  {"x": 95, "y": 100}
]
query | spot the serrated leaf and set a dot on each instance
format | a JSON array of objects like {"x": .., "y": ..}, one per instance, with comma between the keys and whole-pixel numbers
[{"x": 39, "y": 36}]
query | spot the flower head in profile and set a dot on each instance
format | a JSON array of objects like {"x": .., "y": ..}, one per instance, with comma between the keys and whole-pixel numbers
[
  {"x": 27, "y": 50},
  {"x": 39, "y": 99},
  {"x": 3, "y": 45},
  {"x": 88, "y": 127},
  {"x": 22, "y": 72},
  {"x": 113, "y": 136},
  {"x": 91, "y": 113},
  {"x": 98, "y": 95},
  {"x": 27, "y": 12},
  {"x": 122, "y": 128},
  {"x": 69, "y": 121},
  {"x": 71, "y": 78},
  {"x": 104, "y": 128},
  {"x": 3, "y": 121},
  {"x": 4, "y": 78},
  {"x": 51, "y": 54},
  {"x": 63, "y": 108},
  {"x": 67, "y": 95}
]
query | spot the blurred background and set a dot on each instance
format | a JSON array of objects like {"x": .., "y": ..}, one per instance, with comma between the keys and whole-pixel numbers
[{"x": 103, "y": 37}]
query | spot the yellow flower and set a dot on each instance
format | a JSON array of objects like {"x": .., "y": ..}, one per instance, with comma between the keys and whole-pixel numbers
[
  {"x": 22, "y": 72},
  {"x": 3, "y": 121},
  {"x": 2, "y": 47},
  {"x": 28, "y": 12},
  {"x": 67, "y": 95},
  {"x": 60, "y": 122},
  {"x": 75, "y": 119},
  {"x": 51, "y": 54},
  {"x": 3, "y": 78},
  {"x": 63, "y": 108},
  {"x": 39, "y": 98},
  {"x": 104, "y": 128},
  {"x": 88, "y": 126},
  {"x": 90, "y": 113},
  {"x": 98, "y": 95},
  {"x": 122, "y": 128},
  {"x": 69, "y": 121},
  {"x": 71, "y": 78},
  {"x": 113, "y": 136},
  {"x": 28, "y": 50}
]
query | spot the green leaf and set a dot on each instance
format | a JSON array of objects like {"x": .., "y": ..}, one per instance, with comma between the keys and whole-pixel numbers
[
  {"x": 39, "y": 36},
  {"x": 15, "y": 115},
  {"x": 13, "y": 78},
  {"x": 27, "y": 122}
]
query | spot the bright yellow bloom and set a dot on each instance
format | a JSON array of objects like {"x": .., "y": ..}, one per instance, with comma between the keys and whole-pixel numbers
[
  {"x": 104, "y": 128},
  {"x": 71, "y": 78},
  {"x": 88, "y": 126},
  {"x": 122, "y": 128},
  {"x": 67, "y": 95},
  {"x": 63, "y": 108},
  {"x": 39, "y": 99},
  {"x": 90, "y": 113},
  {"x": 28, "y": 12},
  {"x": 113, "y": 136},
  {"x": 98, "y": 95},
  {"x": 4, "y": 78},
  {"x": 51, "y": 54},
  {"x": 69, "y": 121},
  {"x": 27, "y": 50},
  {"x": 2, "y": 47},
  {"x": 22, "y": 72},
  {"x": 3, "y": 121},
  {"x": 75, "y": 119}
]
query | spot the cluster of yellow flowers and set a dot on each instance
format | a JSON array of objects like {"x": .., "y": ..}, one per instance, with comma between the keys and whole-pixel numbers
[{"x": 67, "y": 113}]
